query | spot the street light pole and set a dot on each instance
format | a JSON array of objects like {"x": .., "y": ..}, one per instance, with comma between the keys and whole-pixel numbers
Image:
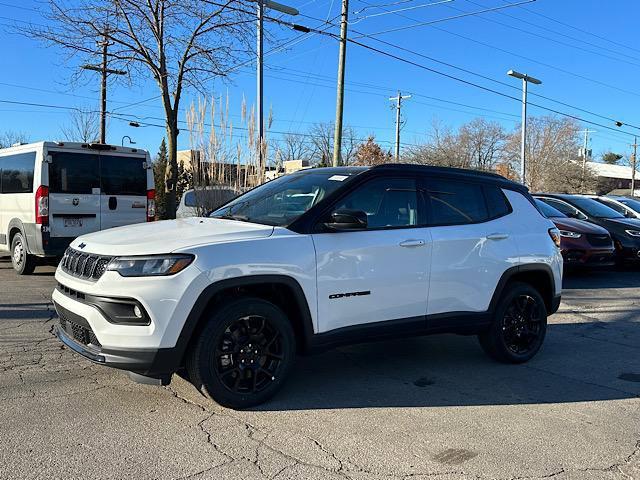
[
  {"x": 523, "y": 130},
  {"x": 262, "y": 4}
]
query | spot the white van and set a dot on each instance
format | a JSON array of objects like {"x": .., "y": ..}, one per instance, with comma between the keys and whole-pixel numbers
[{"x": 51, "y": 192}]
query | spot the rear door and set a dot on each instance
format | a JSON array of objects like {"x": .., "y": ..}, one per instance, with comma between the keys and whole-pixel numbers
[
  {"x": 74, "y": 193},
  {"x": 124, "y": 190}
]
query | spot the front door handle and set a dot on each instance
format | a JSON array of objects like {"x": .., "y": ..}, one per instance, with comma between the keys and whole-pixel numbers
[
  {"x": 498, "y": 236},
  {"x": 412, "y": 243}
]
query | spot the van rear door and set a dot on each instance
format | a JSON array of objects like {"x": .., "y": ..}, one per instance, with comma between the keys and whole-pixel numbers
[
  {"x": 74, "y": 193},
  {"x": 124, "y": 189}
]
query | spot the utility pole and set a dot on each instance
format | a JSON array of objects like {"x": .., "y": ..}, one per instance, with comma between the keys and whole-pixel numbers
[
  {"x": 104, "y": 71},
  {"x": 337, "y": 136},
  {"x": 585, "y": 153},
  {"x": 260, "y": 76},
  {"x": 398, "y": 101},
  {"x": 634, "y": 160},
  {"x": 523, "y": 130}
]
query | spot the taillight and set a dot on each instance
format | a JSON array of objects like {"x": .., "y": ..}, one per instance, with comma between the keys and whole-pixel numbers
[
  {"x": 554, "y": 233},
  {"x": 151, "y": 205},
  {"x": 42, "y": 205}
]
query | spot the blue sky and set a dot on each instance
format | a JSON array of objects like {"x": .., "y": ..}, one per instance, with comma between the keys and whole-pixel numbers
[{"x": 586, "y": 52}]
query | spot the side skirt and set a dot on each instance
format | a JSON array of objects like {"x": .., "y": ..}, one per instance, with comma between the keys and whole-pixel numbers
[{"x": 462, "y": 323}]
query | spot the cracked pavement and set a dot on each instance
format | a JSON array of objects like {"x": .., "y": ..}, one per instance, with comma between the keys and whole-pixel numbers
[{"x": 421, "y": 408}]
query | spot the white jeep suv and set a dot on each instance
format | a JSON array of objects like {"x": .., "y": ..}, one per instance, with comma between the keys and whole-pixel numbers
[{"x": 311, "y": 260}]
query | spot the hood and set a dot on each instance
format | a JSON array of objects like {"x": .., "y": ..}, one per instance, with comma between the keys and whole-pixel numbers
[
  {"x": 623, "y": 223},
  {"x": 168, "y": 236},
  {"x": 580, "y": 226}
]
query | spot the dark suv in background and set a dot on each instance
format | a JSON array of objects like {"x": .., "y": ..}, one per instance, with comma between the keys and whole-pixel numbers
[
  {"x": 625, "y": 232},
  {"x": 582, "y": 244}
]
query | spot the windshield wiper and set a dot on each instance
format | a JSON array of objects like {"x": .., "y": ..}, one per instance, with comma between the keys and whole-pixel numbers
[{"x": 229, "y": 216}]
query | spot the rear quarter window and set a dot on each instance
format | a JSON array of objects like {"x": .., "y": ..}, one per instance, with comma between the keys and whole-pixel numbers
[
  {"x": 455, "y": 202},
  {"x": 16, "y": 173},
  {"x": 497, "y": 203}
]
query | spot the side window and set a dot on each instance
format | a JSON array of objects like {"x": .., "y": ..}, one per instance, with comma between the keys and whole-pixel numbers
[
  {"x": 73, "y": 173},
  {"x": 563, "y": 207},
  {"x": 190, "y": 199},
  {"x": 16, "y": 173},
  {"x": 615, "y": 206},
  {"x": 497, "y": 203},
  {"x": 454, "y": 202},
  {"x": 388, "y": 202}
]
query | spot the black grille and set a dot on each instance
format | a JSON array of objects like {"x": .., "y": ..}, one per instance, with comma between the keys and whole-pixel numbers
[
  {"x": 84, "y": 265},
  {"x": 598, "y": 240},
  {"x": 79, "y": 333}
]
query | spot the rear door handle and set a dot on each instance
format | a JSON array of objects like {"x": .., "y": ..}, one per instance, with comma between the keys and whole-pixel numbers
[
  {"x": 497, "y": 236},
  {"x": 412, "y": 243}
]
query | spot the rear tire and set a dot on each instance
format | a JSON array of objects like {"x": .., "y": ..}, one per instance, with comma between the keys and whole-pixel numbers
[
  {"x": 23, "y": 263},
  {"x": 519, "y": 325},
  {"x": 243, "y": 354}
]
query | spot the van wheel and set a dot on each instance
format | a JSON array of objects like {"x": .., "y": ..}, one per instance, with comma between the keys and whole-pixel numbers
[
  {"x": 23, "y": 263},
  {"x": 244, "y": 353},
  {"x": 519, "y": 326}
]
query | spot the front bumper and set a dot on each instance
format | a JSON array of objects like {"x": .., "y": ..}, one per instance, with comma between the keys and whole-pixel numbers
[{"x": 75, "y": 332}]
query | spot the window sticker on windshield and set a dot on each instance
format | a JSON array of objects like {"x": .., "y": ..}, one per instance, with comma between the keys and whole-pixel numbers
[{"x": 338, "y": 178}]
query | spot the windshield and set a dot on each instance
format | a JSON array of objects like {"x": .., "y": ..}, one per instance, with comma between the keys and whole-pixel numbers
[
  {"x": 548, "y": 211},
  {"x": 281, "y": 201},
  {"x": 631, "y": 203},
  {"x": 594, "y": 208}
]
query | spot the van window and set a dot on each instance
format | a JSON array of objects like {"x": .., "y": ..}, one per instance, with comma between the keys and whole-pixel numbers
[
  {"x": 455, "y": 203},
  {"x": 123, "y": 175},
  {"x": 190, "y": 199},
  {"x": 73, "y": 173},
  {"x": 16, "y": 173}
]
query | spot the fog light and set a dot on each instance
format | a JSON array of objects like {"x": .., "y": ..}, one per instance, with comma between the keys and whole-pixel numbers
[{"x": 137, "y": 312}]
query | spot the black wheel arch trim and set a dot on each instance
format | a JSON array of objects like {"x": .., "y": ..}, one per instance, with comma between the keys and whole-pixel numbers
[
  {"x": 553, "y": 300},
  {"x": 200, "y": 306}
]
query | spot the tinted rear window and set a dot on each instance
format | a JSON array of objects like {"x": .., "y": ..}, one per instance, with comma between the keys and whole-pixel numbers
[
  {"x": 82, "y": 172},
  {"x": 123, "y": 175},
  {"x": 16, "y": 173},
  {"x": 73, "y": 172}
]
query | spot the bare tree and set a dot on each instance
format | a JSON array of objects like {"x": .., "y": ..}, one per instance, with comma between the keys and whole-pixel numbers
[
  {"x": 481, "y": 143},
  {"x": 322, "y": 144},
  {"x": 84, "y": 126},
  {"x": 552, "y": 156},
  {"x": 295, "y": 147},
  {"x": 178, "y": 43},
  {"x": 10, "y": 138}
]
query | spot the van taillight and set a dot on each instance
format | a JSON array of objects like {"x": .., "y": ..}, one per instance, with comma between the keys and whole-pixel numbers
[
  {"x": 151, "y": 205},
  {"x": 42, "y": 205}
]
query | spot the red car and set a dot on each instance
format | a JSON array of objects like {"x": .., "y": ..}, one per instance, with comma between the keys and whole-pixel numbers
[{"x": 582, "y": 243}]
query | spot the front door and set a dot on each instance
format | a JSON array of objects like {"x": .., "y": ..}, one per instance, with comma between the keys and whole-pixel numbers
[
  {"x": 377, "y": 274},
  {"x": 124, "y": 190}
]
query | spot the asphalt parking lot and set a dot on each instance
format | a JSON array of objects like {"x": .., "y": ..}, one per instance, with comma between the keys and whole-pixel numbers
[{"x": 420, "y": 408}]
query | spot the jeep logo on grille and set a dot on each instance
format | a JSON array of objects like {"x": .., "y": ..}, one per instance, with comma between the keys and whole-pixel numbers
[{"x": 82, "y": 245}]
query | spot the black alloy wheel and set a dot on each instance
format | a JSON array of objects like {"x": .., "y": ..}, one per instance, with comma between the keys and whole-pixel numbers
[
  {"x": 519, "y": 326},
  {"x": 243, "y": 354},
  {"x": 522, "y": 324},
  {"x": 249, "y": 355}
]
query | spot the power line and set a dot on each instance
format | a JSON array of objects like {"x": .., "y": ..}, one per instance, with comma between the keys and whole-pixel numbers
[{"x": 528, "y": 32}]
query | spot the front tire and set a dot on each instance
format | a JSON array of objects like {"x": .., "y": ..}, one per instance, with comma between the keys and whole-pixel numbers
[
  {"x": 243, "y": 354},
  {"x": 23, "y": 263},
  {"x": 519, "y": 325}
]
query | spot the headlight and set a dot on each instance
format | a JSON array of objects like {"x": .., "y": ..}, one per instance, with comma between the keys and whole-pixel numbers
[
  {"x": 570, "y": 234},
  {"x": 151, "y": 266},
  {"x": 633, "y": 233}
]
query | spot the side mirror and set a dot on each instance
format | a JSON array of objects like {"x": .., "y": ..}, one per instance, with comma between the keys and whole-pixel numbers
[{"x": 345, "y": 220}]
